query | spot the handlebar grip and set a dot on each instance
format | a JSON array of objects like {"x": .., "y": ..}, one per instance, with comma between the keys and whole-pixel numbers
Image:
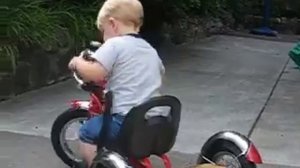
[
  {"x": 95, "y": 44},
  {"x": 86, "y": 55},
  {"x": 89, "y": 58}
]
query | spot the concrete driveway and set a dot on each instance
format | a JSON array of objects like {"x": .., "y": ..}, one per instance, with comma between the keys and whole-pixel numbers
[{"x": 224, "y": 82}]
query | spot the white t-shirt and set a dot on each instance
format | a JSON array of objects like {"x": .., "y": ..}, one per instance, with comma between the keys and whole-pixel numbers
[{"x": 135, "y": 71}]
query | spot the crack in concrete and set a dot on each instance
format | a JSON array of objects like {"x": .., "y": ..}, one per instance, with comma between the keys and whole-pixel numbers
[{"x": 269, "y": 98}]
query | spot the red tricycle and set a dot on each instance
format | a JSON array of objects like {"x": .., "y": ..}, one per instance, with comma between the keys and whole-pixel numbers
[{"x": 141, "y": 137}]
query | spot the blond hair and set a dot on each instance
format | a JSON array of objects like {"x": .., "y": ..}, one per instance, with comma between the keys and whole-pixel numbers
[{"x": 126, "y": 11}]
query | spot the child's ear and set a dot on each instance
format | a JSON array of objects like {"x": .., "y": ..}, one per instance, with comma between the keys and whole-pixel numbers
[{"x": 111, "y": 21}]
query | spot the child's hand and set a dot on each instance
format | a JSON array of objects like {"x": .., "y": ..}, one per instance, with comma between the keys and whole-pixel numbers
[
  {"x": 89, "y": 71},
  {"x": 73, "y": 63}
]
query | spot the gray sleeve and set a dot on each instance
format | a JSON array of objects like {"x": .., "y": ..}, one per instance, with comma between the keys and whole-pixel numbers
[{"x": 107, "y": 55}]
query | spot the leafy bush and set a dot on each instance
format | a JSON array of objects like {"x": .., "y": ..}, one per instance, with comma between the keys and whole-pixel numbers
[
  {"x": 40, "y": 23},
  {"x": 27, "y": 24},
  {"x": 214, "y": 8},
  {"x": 79, "y": 18}
]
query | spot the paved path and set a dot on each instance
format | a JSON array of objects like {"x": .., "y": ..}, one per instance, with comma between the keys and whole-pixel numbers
[{"x": 223, "y": 82}]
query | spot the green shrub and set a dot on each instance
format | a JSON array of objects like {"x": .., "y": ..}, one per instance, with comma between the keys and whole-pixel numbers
[
  {"x": 40, "y": 24},
  {"x": 27, "y": 24}
]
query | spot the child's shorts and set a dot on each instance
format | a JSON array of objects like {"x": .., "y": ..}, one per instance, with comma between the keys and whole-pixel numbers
[{"x": 89, "y": 132}]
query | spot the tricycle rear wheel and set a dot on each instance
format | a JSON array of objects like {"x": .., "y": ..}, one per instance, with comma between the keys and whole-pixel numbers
[{"x": 226, "y": 154}]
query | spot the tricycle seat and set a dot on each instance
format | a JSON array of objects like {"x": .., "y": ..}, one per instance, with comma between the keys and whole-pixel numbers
[{"x": 142, "y": 136}]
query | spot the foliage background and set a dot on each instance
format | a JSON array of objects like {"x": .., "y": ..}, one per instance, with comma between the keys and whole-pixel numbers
[
  {"x": 35, "y": 32},
  {"x": 40, "y": 22}
]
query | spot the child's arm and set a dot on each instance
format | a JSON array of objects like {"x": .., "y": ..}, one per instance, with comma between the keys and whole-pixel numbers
[
  {"x": 88, "y": 71},
  {"x": 96, "y": 71}
]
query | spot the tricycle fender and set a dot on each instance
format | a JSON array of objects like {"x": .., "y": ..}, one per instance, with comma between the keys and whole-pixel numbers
[
  {"x": 242, "y": 142},
  {"x": 80, "y": 104}
]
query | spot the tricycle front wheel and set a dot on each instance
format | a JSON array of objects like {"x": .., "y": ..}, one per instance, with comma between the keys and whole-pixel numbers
[{"x": 62, "y": 141}]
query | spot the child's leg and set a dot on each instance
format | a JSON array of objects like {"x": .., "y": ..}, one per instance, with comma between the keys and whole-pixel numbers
[
  {"x": 88, "y": 152},
  {"x": 89, "y": 134}
]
